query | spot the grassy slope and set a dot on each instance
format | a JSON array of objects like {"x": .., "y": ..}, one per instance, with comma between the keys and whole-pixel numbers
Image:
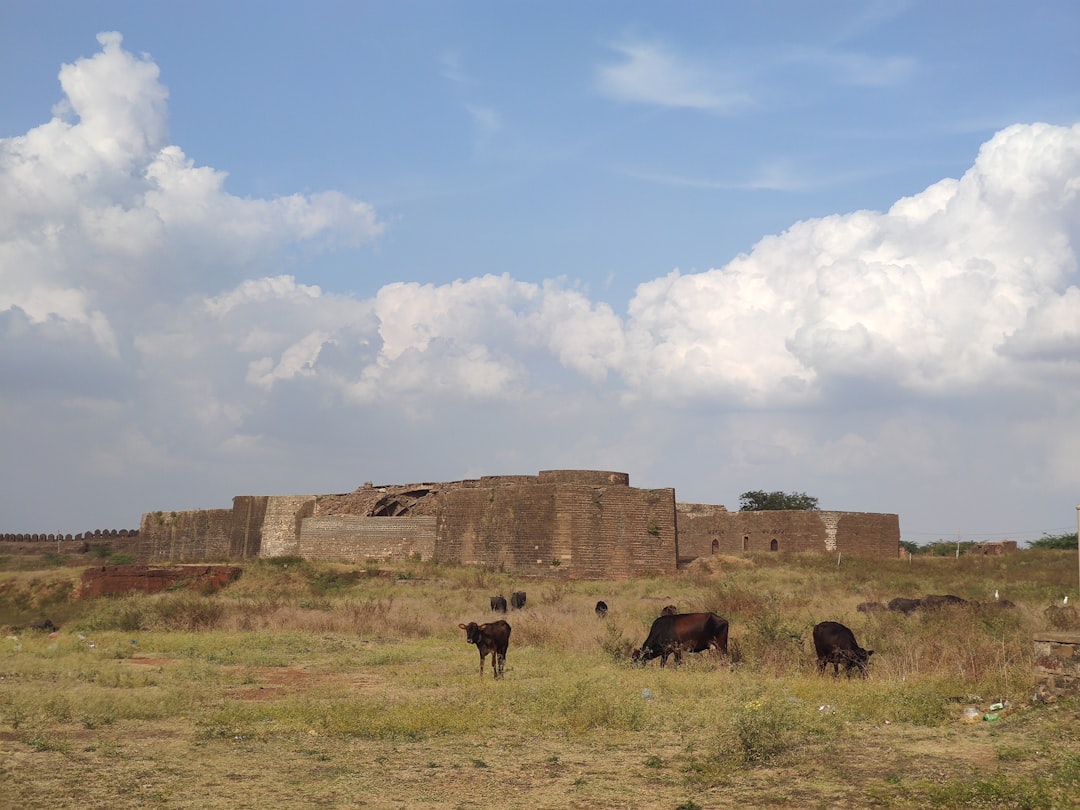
[{"x": 306, "y": 685}]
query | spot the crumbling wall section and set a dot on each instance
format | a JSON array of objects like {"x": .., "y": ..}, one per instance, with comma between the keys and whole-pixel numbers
[{"x": 1057, "y": 665}]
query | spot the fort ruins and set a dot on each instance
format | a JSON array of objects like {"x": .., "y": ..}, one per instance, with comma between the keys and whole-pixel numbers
[{"x": 578, "y": 524}]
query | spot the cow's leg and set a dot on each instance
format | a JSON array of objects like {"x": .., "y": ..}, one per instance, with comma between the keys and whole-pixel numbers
[
  {"x": 821, "y": 665},
  {"x": 482, "y": 657}
]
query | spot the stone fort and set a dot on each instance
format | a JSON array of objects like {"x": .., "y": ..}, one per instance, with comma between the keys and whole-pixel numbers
[{"x": 579, "y": 524}]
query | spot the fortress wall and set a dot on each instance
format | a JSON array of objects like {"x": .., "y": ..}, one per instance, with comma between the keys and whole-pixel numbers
[
  {"x": 869, "y": 534},
  {"x": 281, "y": 524},
  {"x": 245, "y": 535},
  {"x": 589, "y": 478},
  {"x": 354, "y": 539},
  {"x": 861, "y": 534},
  {"x": 198, "y": 535},
  {"x": 619, "y": 532},
  {"x": 509, "y": 527}
]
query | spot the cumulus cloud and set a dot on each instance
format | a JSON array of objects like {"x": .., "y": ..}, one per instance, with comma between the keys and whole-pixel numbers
[
  {"x": 134, "y": 293},
  {"x": 97, "y": 208}
]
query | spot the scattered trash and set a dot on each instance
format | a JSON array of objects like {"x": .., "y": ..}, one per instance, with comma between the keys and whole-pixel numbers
[
  {"x": 826, "y": 708},
  {"x": 991, "y": 717},
  {"x": 888, "y": 722},
  {"x": 645, "y": 693},
  {"x": 997, "y": 707},
  {"x": 972, "y": 714}
]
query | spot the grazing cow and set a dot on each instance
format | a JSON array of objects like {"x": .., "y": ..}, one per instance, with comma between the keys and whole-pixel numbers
[
  {"x": 601, "y": 609},
  {"x": 669, "y": 610},
  {"x": 498, "y": 604},
  {"x": 932, "y": 601},
  {"x": 491, "y": 638},
  {"x": 835, "y": 644},
  {"x": 45, "y": 626},
  {"x": 517, "y": 600},
  {"x": 683, "y": 632},
  {"x": 869, "y": 607},
  {"x": 902, "y": 604}
]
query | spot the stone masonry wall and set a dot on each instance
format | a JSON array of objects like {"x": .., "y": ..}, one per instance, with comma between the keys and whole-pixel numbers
[
  {"x": 200, "y": 535},
  {"x": 245, "y": 535},
  {"x": 281, "y": 524},
  {"x": 1057, "y": 664},
  {"x": 704, "y": 530},
  {"x": 509, "y": 527},
  {"x": 348, "y": 538}
]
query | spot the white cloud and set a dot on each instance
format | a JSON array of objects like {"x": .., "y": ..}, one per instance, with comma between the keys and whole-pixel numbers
[
  {"x": 134, "y": 300},
  {"x": 652, "y": 74},
  {"x": 99, "y": 212}
]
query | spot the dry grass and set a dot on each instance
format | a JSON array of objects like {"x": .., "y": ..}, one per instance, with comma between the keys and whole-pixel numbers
[{"x": 320, "y": 685}]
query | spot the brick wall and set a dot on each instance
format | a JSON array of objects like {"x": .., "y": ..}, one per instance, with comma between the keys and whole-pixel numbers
[{"x": 348, "y": 538}]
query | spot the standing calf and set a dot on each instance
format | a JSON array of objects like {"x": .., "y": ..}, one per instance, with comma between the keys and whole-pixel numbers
[
  {"x": 835, "y": 644},
  {"x": 491, "y": 638},
  {"x": 498, "y": 603}
]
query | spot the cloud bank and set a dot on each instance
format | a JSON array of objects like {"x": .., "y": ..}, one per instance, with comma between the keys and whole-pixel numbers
[{"x": 144, "y": 339}]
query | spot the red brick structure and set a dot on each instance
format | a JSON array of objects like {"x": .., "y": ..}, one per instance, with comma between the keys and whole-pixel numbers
[{"x": 122, "y": 579}]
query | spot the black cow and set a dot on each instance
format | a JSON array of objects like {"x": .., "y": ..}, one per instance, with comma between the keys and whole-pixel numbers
[
  {"x": 601, "y": 609},
  {"x": 517, "y": 600},
  {"x": 498, "y": 604},
  {"x": 902, "y": 604},
  {"x": 491, "y": 638},
  {"x": 683, "y": 632},
  {"x": 669, "y": 610},
  {"x": 835, "y": 644},
  {"x": 45, "y": 626}
]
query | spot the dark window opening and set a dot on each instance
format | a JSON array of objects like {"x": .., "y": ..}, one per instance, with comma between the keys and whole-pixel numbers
[{"x": 774, "y": 546}]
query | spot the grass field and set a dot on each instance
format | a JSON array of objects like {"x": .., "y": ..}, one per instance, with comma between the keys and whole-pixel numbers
[{"x": 304, "y": 685}]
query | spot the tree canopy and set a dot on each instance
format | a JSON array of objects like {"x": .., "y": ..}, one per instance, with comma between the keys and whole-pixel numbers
[
  {"x": 1065, "y": 541},
  {"x": 760, "y": 501}
]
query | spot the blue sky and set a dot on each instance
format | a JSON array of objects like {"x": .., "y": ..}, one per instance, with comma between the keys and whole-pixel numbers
[{"x": 828, "y": 248}]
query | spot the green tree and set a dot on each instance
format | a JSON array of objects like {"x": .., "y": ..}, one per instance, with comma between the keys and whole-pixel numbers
[
  {"x": 1065, "y": 541},
  {"x": 910, "y": 547},
  {"x": 760, "y": 501}
]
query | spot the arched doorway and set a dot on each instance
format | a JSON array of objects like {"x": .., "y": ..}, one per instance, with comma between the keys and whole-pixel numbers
[{"x": 774, "y": 546}]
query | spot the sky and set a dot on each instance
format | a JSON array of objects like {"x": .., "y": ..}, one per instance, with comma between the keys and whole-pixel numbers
[{"x": 273, "y": 248}]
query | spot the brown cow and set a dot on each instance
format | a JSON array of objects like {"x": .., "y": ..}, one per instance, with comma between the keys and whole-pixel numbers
[
  {"x": 491, "y": 638},
  {"x": 683, "y": 632},
  {"x": 835, "y": 644}
]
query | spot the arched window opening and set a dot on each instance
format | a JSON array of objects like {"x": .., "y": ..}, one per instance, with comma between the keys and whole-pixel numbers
[
  {"x": 715, "y": 546},
  {"x": 774, "y": 546},
  {"x": 746, "y": 542}
]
